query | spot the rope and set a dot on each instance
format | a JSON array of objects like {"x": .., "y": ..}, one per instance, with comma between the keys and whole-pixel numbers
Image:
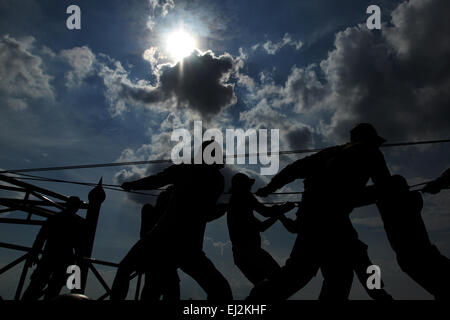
[{"x": 132, "y": 163}]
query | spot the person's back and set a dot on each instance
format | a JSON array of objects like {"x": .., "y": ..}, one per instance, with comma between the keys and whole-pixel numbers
[
  {"x": 243, "y": 226},
  {"x": 435, "y": 186},
  {"x": 400, "y": 210},
  {"x": 344, "y": 172},
  {"x": 196, "y": 189},
  {"x": 64, "y": 235},
  {"x": 150, "y": 215}
]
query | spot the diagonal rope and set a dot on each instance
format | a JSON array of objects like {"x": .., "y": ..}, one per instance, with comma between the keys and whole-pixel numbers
[{"x": 132, "y": 163}]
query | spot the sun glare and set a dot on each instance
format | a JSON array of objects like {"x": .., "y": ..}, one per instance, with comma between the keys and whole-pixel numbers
[{"x": 180, "y": 44}]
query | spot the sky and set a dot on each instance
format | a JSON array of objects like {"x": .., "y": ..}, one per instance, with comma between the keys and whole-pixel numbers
[{"x": 115, "y": 90}]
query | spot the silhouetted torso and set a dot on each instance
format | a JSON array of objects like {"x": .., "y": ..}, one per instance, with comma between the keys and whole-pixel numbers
[
  {"x": 332, "y": 180},
  {"x": 64, "y": 234},
  {"x": 405, "y": 229},
  {"x": 150, "y": 215},
  {"x": 243, "y": 226},
  {"x": 196, "y": 189}
]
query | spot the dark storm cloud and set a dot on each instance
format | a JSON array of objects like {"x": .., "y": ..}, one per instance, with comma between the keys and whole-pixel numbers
[
  {"x": 299, "y": 137},
  {"x": 199, "y": 82},
  {"x": 398, "y": 79},
  {"x": 293, "y": 134}
]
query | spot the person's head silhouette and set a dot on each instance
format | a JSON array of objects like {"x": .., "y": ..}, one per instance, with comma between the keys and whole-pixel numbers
[
  {"x": 398, "y": 184},
  {"x": 72, "y": 205},
  {"x": 366, "y": 133},
  {"x": 241, "y": 183}
]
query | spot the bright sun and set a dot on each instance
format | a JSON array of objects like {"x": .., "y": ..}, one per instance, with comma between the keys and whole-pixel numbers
[{"x": 180, "y": 44}]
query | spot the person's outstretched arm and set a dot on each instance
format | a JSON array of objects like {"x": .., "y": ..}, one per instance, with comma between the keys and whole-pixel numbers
[
  {"x": 156, "y": 181},
  {"x": 220, "y": 210},
  {"x": 266, "y": 224},
  {"x": 380, "y": 173},
  {"x": 289, "y": 224},
  {"x": 272, "y": 211},
  {"x": 367, "y": 197},
  {"x": 440, "y": 183},
  {"x": 293, "y": 171}
]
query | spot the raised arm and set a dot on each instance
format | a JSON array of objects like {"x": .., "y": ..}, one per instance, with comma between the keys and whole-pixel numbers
[
  {"x": 156, "y": 181},
  {"x": 293, "y": 171},
  {"x": 367, "y": 197},
  {"x": 272, "y": 211},
  {"x": 289, "y": 224},
  {"x": 440, "y": 183},
  {"x": 220, "y": 210},
  {"x": 299, "y": 169},
  {"x": 380, "y": 172},
  {"x": 266, "y": 224}
]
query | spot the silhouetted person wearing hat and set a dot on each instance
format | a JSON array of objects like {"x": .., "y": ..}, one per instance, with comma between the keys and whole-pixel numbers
[
  {"x": 177, "y": 239},
  {"x": 333, "y": 179},
  {"x": 150, "y": 216},
  {"x": 63, "y": 235},
  {"x": 435, "y": 186},
  {"x": 400, "y": 210},
  {"x": 244, "y": 229}
]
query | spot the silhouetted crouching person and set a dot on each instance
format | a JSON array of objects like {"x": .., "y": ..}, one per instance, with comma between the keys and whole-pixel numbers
[
  {"x": 150, "y": 216},
  {"x": 333, "y": 178},
  {"x": 435, "y": 186},
  {"x": 63, "y": 235},
  {"x": 177, "y": 239},
  {"x": 244, "y": 229},
  {"x": 400, "y": 210}
]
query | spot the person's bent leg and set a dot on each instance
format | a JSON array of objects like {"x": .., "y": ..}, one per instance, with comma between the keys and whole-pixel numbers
[
  {"x": 127, "y": 266},
  {"x": 338, "y": 279},
  {"x": 361, "y": 261},
  {"x": 284, "y": 282},
  {"x": 172, "y": 292},
  {"x": 56, "y": 282},
  {"x": 38, "y": 281},
  {"x": 203, "y": 271}
]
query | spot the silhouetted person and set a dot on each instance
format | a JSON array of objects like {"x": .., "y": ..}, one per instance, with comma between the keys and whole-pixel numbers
[
  {"x": 244, "y": 229},
  {"x": 333, "y": 178},
  {"x": 360, "y": 259},
  {"x": 63, "y": 235},
  {"x": 400, "y": 210},
  {"x": 177, "y": 239},
  {"x": 435, "y": 186},
  {"x": 150, "y": 216}
]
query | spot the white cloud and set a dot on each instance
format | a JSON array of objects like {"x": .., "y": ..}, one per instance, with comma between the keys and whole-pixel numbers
[
  {"x": 22, "y": 75},
  {"x": 82, "y": 61},
  {"x": 272, "y": 48}
]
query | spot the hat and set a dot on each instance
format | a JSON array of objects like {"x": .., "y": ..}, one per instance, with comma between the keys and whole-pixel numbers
[
  {"x": 365, "y": 132},
  {"x": 240, "y": 179}
]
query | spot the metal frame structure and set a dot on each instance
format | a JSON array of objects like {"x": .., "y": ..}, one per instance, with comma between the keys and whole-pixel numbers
[{"x": 47, "y": 204}]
